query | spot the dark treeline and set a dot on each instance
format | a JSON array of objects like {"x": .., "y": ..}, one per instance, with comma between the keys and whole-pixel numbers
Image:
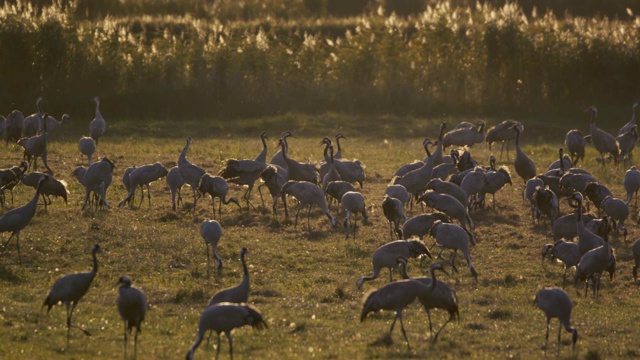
[{"x": 477, "y": 60}]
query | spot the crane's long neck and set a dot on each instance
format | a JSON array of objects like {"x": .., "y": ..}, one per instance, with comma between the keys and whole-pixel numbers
[
  {"x": 332, "y": 164},
  {"x": 244, "y": 266},
  {"x": 183, "y": 154},
  {"x": 592, "y": 123},
  {"x": 561, "y": 162},
  {"x": 95, "y": 261},
  {"x": 441, "y": 134},
  {"x": 433, "y": 278},
  {"x": 98, "y": 109},
  {"x": 326, "y": 153},
  {"x": 338, "y": 142},
  {"x": 517, "y": 138},
  {"x": 283, "y": 145}
]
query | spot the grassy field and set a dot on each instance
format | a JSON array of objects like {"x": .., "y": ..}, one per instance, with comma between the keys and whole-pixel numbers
[{"x": 302, "y": 281}]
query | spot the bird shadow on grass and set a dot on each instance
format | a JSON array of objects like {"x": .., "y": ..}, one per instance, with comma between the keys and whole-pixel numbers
[
  {"x": 383, "y": 341},
  {"x": 7, "y": 275}
]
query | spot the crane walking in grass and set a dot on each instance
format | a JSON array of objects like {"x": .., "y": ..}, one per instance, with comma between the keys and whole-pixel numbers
[
  {"x": 69, "y": 289},
  {"x": 132, "y": 306}
]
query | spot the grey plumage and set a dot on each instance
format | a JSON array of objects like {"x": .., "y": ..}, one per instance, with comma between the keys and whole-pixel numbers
[
  {"x": 399, "y": 192},
  {"x": 142, "y": 176},
  {"x": 211, "y": 232},
  {"x": 191, "y": 173},
  {"x": 307, "y": 194},
  {"x": 262, "y": 157},
  {"x": 567, "y": 252},
  {"x": 32, "y": 123},
  {"x": 416, "y": 181},
  {"x": 527, "y": 195},
  {"x": 577, "y": 182},
  {"x": 238, "y": 293},
  {"x": 216, "y": 187},
  {"x": 243, "y": 172},
  {"x": 53, "y": 124},
  {"x": 416, "y": 164},
  {"x": 15, "y": 121},
  {"x": 525, "y": 167},
  {"x": 394, "y": 296},
  {"x": 604, "y": 142},
  {"x": 393, "y": 210},
  {"x": 223, "y": 318},
  {"x": 132, "y": 306},
  {"x": 87, "y": 146},
  {"x": 555, "y": 303},
  {"x": 465, "y": 136},
  {"x": 274, "y": 181},
  {"x": 338, "y": 154},
  {"x": 447, "y": 168},
  {"x": 438, "y": 157},
  {"x": 448, "y": 205},
  {"x": 439, "y": 296},
  {"x": 586, "y": 239},
  {"x": 97, "y": 126},
  {"x": 420, "y": 225},
  {"x": 558, "y": 167},
  {"x": 627, "y": 142},
  {"x": 445, "y": 187},
  {"x": 454, "y": 237},
  {"x": 332, "y": 173},
  {"x": 496, "y": 180},
  {"x": 596, "y": 193},
  {"x": 575, "y": 143},
  {"x": 473, "y": 183},
  {"x": 336, "y": 189},
  {"x": 546, "y": 203},
  {"x": 632, "y": 184},
  {"x": 36, "y": 147},
  {"x": 278, "y": 158},
  {"x": 502, "y": 133},
  {"x": 298, "y": 171},
  {"x": 50, "y": 187},
  {"x": 353, "y": 203},
  {"x": 617, "y": 210},
  {"x": 15, "y": 220},
  {"x": 98, "y": 178},
  {"x": 69, "y": 289},
  {"x": 175, "y": 181},
  {"x": 10, "y": 177},
  {"x": 386, "y": 256},
  {"x": 565, "y": 227},
  {"x": 631, "y": 122}
]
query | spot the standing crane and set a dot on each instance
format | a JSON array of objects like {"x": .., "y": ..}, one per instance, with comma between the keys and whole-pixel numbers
[
  {"x": 97, "y": 126},
  {"x": 556, "y": 303},
  {"x": 69, "y": 289},
  {"x": 190, "y": 173},
  {"x": 223, "y": 318},
  {"x": 17, "y": 219},
  {"x": 132, "y": 306},
  {"x": 602, "y": 140}
]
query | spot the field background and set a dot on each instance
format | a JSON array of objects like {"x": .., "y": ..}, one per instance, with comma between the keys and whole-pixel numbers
[
  {"x": 303, "y": 282},
  {"x": 384, "y": 73}
]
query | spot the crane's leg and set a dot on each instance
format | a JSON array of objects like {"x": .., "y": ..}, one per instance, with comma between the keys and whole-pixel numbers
[
  {"x": 219, "y": 209},
  {"x": 228, "y": 333},
  {"x": 546, "y": 338},
  {"x": 218, "y": 347},
  {"x": 430, "y": 326},
  {"x": 559, "y": 332},
  {"x": 216, "y": 256},
  {"x": 18, "y": 242},
  {"x": 4, "y": 246},
  {"x": 135, "y": 343},
  {"x": 148, "y": 195},
  {"x": 125, "y": 339},
  {"x": 435, "y": 338},
  {"x": 295, "y": 225},
  {"x": 207, "y": 248},
  {"x": 404, "y": 333},
  {"x": 68, "y": 324},
  {"x": 309, "y": 218},
  {"x": 260, "y": 192}
]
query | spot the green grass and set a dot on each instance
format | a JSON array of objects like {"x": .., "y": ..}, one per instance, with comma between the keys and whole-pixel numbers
[{"x": 303, "y": 282}]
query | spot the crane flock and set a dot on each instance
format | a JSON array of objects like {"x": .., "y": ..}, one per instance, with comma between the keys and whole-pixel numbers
[{"x": 333, "y": 178}]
